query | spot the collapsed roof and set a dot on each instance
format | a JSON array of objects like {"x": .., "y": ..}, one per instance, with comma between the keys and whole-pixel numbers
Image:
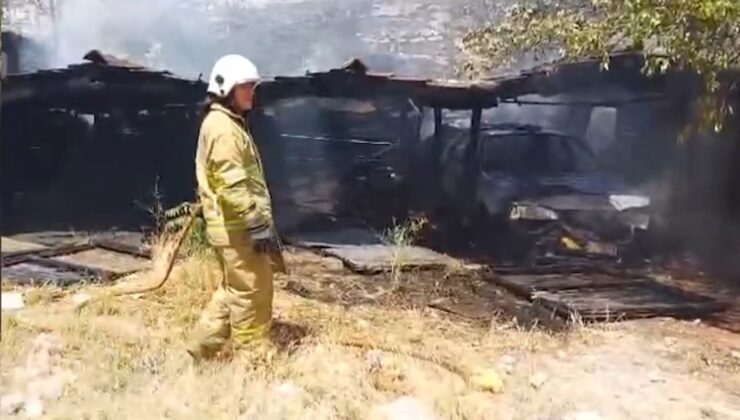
[
  {"x": 101, "y": 84},
  {"x": 106, "y": 82}
]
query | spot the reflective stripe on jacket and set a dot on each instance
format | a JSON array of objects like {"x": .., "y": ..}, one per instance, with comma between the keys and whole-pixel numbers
[{"x": 231, "y": 182}]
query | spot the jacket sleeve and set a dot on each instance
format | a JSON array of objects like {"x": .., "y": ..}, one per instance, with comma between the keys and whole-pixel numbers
[{"x": 229, "y": 180}]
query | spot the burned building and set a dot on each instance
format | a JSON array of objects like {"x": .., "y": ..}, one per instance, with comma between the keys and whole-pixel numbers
[
  {"x": 83, "y": 145},
  {"x": 95, "y": 146}
]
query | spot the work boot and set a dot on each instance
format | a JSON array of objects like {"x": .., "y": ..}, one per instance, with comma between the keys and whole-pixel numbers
[
  {"x": 259, "y": 352},
  {"x": 198, "y": 353}
]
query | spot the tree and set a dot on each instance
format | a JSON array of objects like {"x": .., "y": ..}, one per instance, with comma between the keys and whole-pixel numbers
[{"x": 702, "y": 36}]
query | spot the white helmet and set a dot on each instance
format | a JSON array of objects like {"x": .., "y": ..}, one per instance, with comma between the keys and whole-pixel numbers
[{"x": 229, "y": 71}]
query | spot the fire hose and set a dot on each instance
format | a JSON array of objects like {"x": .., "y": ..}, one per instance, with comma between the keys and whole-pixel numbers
[
  {"x": 277, "y": 257},
  {"x": 485, "y": 380},
  {"x": 178, "y": 241}
]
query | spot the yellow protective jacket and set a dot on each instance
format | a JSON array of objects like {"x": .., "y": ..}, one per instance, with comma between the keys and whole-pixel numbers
[{"x": 231, "y": 181}]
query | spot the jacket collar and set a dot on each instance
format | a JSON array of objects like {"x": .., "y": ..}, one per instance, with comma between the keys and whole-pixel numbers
[{"x": 227, "y": 111}]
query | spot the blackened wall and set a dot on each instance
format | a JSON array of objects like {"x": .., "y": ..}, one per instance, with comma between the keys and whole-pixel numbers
[{"x": 64, "y": 171}]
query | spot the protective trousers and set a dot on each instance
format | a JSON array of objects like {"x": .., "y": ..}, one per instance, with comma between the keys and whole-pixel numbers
[{"x": 241, "y": 307}]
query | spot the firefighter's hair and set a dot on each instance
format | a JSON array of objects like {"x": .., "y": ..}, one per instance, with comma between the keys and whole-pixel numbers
[{"x": 212, "y": 99}]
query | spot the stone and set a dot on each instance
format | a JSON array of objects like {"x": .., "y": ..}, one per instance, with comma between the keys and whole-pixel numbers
[
  {"x": 537, "y": 380},
  {"x": 288, "y": 389},
  {"x": 488, "y": 380},
  {"x": 11, "y": 301},
  {"x": 46, "y": 353},
  {"x": 404, "y": 408},
  {"x": 655, "y": 376},
  {"x": 506, "y": 363},
  {"x": 80, "y": 300},
  {"x": 33, "y": 407},
  {"x": 583, "y": 415},
  {"x": 49, "y": 388},
  {"x": 670, "y": 341},
  {"x": 374, "y": 360},
  {"x": 332, "y": 264},
  {"x": 11, "y": 403}
]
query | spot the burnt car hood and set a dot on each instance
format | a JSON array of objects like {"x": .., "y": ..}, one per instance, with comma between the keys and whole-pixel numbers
[
  {"x": 567, "y": 192},
  {"x": 591, "y": 184}
]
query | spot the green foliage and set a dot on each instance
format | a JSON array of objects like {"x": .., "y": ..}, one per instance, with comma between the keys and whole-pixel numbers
[
  {"x": 404, "y": 234},
  {"x": 176, "y": 218},
  {"x": 401, "y": 236},
  {"x": 698, "y": 35}
]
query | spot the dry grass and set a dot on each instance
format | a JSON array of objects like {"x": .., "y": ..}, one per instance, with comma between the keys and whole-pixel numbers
[{"x": 128, "y": 356}]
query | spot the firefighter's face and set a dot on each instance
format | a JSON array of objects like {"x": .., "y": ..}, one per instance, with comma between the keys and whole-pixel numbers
[{"x": 244, "y": 96}]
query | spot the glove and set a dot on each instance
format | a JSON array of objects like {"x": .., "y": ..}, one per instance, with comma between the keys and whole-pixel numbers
[{"x": 266, "y": 242}]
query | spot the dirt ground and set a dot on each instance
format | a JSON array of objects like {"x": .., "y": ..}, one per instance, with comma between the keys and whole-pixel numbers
[{"x": 121, "y": 358}]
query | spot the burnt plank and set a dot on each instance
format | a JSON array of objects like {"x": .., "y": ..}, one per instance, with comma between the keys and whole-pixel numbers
[
  {"x": 124, "y": 248},
  {"x": 34, "y": 271},
  {"x": 92, "y": 271},
  {"x": 108, "y": 260},
  {"x": 33, "y": 274},
  {"x": 12, "y": 258},
  {"x": 639, "y": 300},
  {"x": 527, "y": 284}
]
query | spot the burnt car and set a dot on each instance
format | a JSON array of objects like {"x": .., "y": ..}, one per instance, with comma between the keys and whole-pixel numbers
[{"x": 545, "y": 188}]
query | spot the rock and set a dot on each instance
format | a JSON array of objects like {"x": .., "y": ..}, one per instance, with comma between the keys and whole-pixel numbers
[
  {"x": 655, "y": 376},
  {"x": 332, "y": 264},
  {"x": 11, "y": 301},
  {"x": 508, "y": 359},
  {"x": 404, "y": 408},
  {"x": 49, "y": 388},
  {"x": 374, "y": 360},
  {"x": 33, "y": 407},
  {"x": 583, "y": 415},
  {"x": 735, "y": 354},
  {"x": 488, "y": 380},
  {"x": 46, "y": 353},
  {"x": 288, "y": 389},
  {"x": 11, "y": 403},
  {"x": 506, "y": 364},
  {"x": 537, "y": 380},
  {"x": 80, "y": 300}
]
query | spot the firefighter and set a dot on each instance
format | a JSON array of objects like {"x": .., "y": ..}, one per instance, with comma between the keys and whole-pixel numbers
[{"x": 238, "y": 214}]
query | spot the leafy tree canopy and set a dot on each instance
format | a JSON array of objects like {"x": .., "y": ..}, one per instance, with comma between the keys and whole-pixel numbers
[{"x": 698, "y": 35}]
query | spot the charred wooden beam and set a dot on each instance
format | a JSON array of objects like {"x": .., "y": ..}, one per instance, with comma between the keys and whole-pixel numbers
[
  {"x": 437, "y": 122},
  {"x": 475, "y": 129},
  {"x": 93, "y": 88}
]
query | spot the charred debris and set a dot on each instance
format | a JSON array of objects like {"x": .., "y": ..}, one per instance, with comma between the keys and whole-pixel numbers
[{"x": 561, "y": 163}]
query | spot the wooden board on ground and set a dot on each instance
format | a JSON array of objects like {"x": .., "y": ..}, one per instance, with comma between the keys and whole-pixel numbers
[
  {"x": 639, "y": 300},
  {"x": 108, "y": 260},
  {"x": 52, "y": 238},
  {"x": 470, "y": 308},
  {"x": 603, "y": 297},
  {"x": 368, "y": 259},
  {"x": 525, "y": 285},
  {"x": 335, "y": 237},
  {"x": 71, "y": 263},
  {"x": 42, "y": 272},
  {"x": 13, "y": 245}
]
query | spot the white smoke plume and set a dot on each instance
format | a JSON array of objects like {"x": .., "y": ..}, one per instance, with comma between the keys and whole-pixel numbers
[{"x": 409, "y": 37}]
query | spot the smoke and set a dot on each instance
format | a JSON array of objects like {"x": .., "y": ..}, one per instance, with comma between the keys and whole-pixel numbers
[
  {"x": 183, "y": 36},
  {"x": 408, "y": 37}
]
